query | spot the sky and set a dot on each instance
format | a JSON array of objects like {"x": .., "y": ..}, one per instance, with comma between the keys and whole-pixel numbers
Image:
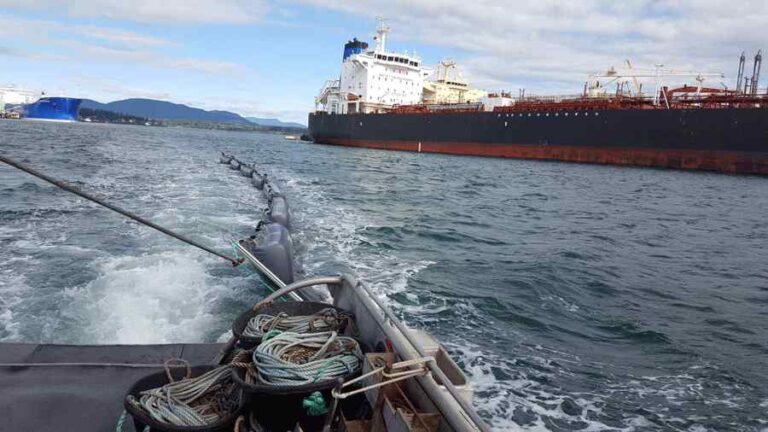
[{"x": 269, "y": 58}]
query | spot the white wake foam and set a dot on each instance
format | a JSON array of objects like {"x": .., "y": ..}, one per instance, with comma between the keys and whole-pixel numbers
[
  {"x": 333, "y": 233},
  {"x": 156, "y": 298}
]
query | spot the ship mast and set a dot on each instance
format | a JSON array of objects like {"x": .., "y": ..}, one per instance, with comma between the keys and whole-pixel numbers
[
  {"x": 381, "y": 34},
  {"x": 756, "y": 72},
  {"x": 740, "y": 74}
]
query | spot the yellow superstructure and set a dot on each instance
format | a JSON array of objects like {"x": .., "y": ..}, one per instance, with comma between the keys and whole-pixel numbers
[{"x": 449, "y": 88}]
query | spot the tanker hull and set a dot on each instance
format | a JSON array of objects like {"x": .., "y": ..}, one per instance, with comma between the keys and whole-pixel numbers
[
  {"x": 56, "y": 109},
  {"x": 731, "y": 140}
]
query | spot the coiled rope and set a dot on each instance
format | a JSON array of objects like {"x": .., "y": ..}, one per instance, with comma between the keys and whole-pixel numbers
[
  {"x": 293, "y": 359},
  {"x": 325, "y": 320},
  {"x": 198, "y": 401}
]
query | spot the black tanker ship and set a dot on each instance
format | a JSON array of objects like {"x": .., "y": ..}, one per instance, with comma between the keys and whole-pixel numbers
[
  {"x": 731, "y": 140},
  {"x": 689, "y": 127}
]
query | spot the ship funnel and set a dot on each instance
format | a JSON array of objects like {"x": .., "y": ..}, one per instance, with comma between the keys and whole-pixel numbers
[{"x": 354, "y": 47}]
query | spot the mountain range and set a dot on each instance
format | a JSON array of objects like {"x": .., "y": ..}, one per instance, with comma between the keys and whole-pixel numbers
[
  {"x": 162, "y": 110},
  {"x": 273, "y": 122}
]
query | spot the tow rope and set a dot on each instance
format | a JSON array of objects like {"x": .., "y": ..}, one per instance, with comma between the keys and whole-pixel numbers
[{"x": 69, "y": 188}]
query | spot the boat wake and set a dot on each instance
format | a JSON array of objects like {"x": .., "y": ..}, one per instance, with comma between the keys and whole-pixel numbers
[
  {"x": 153, "y": 298},
  {"x": 331, "y": 238}
]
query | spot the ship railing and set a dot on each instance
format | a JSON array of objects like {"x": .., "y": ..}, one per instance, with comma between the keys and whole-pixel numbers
[
  {"x": 444, "y": 107},
  {"x": 613, "y": 102},
  {"x": 330, "y": 86}
]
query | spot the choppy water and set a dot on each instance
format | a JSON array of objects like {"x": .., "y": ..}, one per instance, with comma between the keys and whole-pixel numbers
[{"x": 577, "y": 297}]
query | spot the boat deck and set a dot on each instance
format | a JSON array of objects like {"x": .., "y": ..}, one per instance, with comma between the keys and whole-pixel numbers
[{"x": 79, "y": 387}]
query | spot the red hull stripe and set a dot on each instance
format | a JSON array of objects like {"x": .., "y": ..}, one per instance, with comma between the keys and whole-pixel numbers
[{"x": 721, "y": 161}]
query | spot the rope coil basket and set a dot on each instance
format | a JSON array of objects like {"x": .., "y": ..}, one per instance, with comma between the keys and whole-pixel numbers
[
  {"x": 288, "y": 367},
  {"x": 294, "y": 359},
  {"x": 293, "y": 316},
  {"x": 328, "y": 319},
  {"x": 206, "y": 399}
]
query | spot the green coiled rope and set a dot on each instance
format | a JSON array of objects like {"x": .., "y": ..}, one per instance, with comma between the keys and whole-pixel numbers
[{"x": 315, "y": 404}]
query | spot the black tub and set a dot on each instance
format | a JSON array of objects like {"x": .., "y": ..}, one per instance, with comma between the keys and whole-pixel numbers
[
  {"x": 266, "y": 400},
  {"x": 292, "y": 308},
  {"x": 140, "y": 419}
]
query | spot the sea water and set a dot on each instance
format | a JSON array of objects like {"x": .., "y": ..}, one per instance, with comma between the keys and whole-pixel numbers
[{"x": 576, "y": 297}]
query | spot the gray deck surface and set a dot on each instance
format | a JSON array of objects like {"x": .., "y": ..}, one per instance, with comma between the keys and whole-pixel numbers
[{"x": 76, "y": 387}]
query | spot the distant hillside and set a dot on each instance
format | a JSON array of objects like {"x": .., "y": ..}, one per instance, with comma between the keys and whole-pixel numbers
[
  {"x": 273, "y": 122},
  {"x": 100, "y": 116},
  {"x": 162, "y": 110}
]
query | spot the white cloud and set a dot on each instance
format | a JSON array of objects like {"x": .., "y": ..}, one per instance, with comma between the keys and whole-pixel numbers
[
  {"x": 162, "y": 11},
  {"x": 119, "y": 36},
  {"x": 107, "y": 89},
  {"x": 153, "y": 59},
  {"x": 15, "y": 28},
  {"x": 25, "y": 54},
  {"x": 103, "y": 44},
  {"x": 553, "y": 45}
]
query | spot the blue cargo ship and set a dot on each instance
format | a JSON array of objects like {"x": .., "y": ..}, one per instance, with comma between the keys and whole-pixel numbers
[{"x": 61, "y": 109}]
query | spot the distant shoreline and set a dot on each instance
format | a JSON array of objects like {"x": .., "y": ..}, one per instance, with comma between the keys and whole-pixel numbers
[{"x": 88, "y": 115}]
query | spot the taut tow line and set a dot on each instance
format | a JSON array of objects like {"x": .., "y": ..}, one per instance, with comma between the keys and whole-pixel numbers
[{"x": 139, "y": 219}]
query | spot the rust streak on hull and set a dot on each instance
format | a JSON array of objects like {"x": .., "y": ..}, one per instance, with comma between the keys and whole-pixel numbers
[{"x": 707, "y": 160}]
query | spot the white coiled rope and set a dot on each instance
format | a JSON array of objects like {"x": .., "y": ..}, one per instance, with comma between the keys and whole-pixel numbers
[
  {"x": 293, "y": 359},
  {"x": 325, "y": 320},
  {"x": 190, "y": 401}
]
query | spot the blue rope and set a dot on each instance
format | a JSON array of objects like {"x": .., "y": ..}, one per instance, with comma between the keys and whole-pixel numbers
[
  {"x": 234, "y": 250},
  {"x": 120, "y": 421}
]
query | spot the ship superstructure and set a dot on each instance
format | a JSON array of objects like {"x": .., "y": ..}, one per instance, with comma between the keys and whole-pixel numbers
[
  {"x": 450, "y": 87},
  {"x": 624, "y": 116},
  {"x": 376, "y": 81},
  {"x": 373, "y": 80},
  {"x": 11, "y": 95}
]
